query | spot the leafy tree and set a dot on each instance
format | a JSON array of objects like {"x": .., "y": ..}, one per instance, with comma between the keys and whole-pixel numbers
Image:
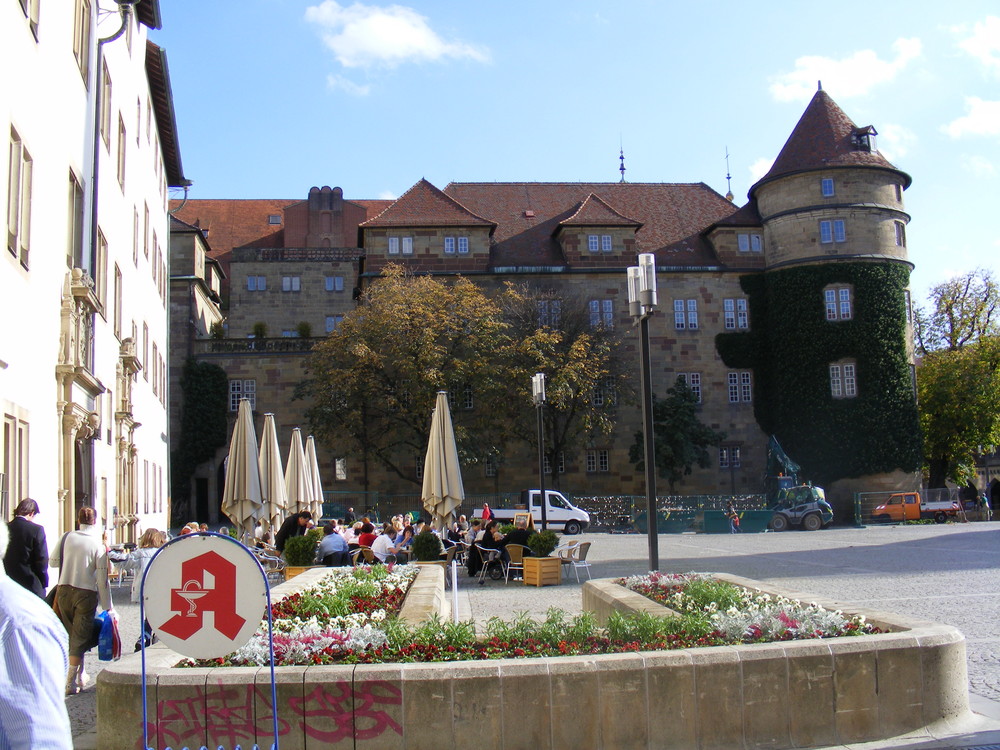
[
  {"x": 680, "y": 440},
  {"x": 959, "y": 399},
  {"x": 584, "y": 373},
  {"x": 963, "y": 310}
]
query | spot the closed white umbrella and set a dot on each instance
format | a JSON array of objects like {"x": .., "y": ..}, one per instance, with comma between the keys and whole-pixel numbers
[
  {"x": 315, "y": 483},
  {"x": 272, "y": 476},
  {"x": 442, "y": 489},
  {"x": 241, "y": 499},
  {"x": 297, "y": 484}
]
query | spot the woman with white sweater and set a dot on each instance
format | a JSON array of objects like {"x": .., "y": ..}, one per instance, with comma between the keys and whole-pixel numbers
[{"x": 82, "y": 560}]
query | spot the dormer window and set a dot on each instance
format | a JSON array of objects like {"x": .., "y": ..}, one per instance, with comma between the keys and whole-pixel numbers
[{"x": 863, "y": 139}]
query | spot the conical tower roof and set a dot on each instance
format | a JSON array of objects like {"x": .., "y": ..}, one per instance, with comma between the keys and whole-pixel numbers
[{"x": 825, "y": 137}]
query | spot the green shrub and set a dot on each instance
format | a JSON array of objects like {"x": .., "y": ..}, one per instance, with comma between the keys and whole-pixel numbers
[
  {"x": 426, "y": 546},
  {"x": 543, "y": 542},
  {"x": 301, "y": 550}
]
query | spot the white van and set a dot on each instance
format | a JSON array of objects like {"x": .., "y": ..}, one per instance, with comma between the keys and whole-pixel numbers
[{"x": 560, "y": 513}]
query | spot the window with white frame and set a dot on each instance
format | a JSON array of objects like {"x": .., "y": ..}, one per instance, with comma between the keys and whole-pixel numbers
[
  {"x": 122, "y": 148},
  {"x": 418, "y": 465},
  {"x": 256, "y": 283},
  {"x": 749, "y": 243},
  {"x": 394, "y": 246},
  {"x": 14, "y": 461},
  {"x": 838, "y": 303},
  {"x": 826, "y": 186},
  {"x": 549, "y": 313},
  {"x": 605, "y": 243},
  {"x": 135, "y": 236},
  {"x": 468, "y": 402},
  {"x": 594, "y": 243},
  {"x": 597, "y": 461},
  {"x": 602, "y": 313},
  {"x": 734, "y": 313},
  {"x": 106, "y": 106},
  {"x": 843, "y": 379},
  {"x": 81, "y": 37},
  {"x": 74, "y": 249},
  {"x": 100, "y": 270},
  {"x": 340, "y": 469},
  {"x": 333, "y": 322},
  {"x": 561, "y": 462},
  {"x": 490, "y": 466},
  {"x": 909, "y": 306},
  {"x": 740, "y": 386},
  {"x": 117, "y": 313},
  {"x": 19, "y": 174},
  {"x": 463, "y": 245},
  {"x": 900, "y": 229},
  {"x": 242, "y": 389},
  {"x": 291, "y": 283},
  {"x": 729, "y": 457},
  {"x": 334, "y": 283},
  {"x": 449, "y": 245},
  {"x": 407, "y": 246},
  {"x": 693, "y": 381},
  {"x": 832, "y": 231},
  {"x": 604, "y": 393}
]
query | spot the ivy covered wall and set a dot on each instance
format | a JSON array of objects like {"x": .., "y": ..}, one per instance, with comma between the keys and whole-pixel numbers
[{"x": 790, "y": 347}]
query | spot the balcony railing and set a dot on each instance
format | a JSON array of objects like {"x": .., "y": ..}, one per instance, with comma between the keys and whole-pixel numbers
[{"x": 256, "y": 346}]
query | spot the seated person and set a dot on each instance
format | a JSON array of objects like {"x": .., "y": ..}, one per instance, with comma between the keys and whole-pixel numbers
[
  {"x": 351, "y": 535},
  {"x": 332, "y": 549},
  {"x": 473, "y": 532},
  {"x": 405, "y": 541},
  {"x": 518, "y": 535},
  {"x": 382, "y": 546},
  {"x": 367, "y": 536}
]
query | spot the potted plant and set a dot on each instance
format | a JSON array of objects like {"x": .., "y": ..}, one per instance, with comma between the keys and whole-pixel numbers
[
  {"x": 260, "y": 330},
  {"x": 539, "y": 568},
  {"x": 300, "y": 552},
  {"x": 426, "y": 547},
  {"x": 304, "y": 329}
]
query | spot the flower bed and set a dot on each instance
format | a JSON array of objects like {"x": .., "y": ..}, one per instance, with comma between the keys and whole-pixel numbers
[{"x": 740, "y": 615}]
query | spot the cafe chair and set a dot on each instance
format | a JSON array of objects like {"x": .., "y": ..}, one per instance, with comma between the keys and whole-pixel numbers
[
  {"x": 516, "y": 552},
  {"x": 578, "y": 559}
]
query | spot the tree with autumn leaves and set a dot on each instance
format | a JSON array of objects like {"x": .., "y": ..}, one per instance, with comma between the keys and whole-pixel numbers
[{"x": 373, "y": 381}]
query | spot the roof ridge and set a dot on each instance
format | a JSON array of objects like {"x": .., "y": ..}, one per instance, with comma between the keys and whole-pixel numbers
[
  {"x": 603, "y": 204},
  {"x": 423, "y": 184}
]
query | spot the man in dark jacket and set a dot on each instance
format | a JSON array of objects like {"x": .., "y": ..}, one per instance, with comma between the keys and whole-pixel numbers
[
  {"x": 295, "y": 525},
  {"x": 27, "y": 558}
]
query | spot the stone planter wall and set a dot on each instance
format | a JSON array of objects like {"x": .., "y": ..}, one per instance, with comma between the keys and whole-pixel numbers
[{"x": 792, "y": 694}]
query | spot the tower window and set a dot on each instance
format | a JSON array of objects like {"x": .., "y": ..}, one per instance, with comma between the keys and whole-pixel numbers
[
  {"x": 735, "y": 313},
  {"x": 843, "y": 380},
  {"x": 832, "y": 231},
  {"x": 827, "y": 186},
  {"x": 838, "y": 303},
  {"x": 750, "y": 243},
  {"x": 900, "y": 234}
]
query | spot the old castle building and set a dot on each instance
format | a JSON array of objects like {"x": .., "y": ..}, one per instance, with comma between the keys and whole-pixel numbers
[{"x": 787, "y": 316}]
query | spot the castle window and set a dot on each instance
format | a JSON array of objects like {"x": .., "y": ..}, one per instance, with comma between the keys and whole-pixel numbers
[
  {"x": 605, "y": 243},
  {"x": 604, "y": 392},
  {"x": 333, "y": 322},
  {"x": 593, "y": 243},
  {"x": 549, "y": 312},
  {"x": 740, "y": 387},
  {"x": 256, "y": 283},
  {"x": 838, "y": 302},
  {"x": 900, "y": 234},
  {"x": 407, "y": 246},
  {"x": 688, "y": 320},
  {"x": 899, "y": 193},
  {"x": 463, "y": 245},
  {"x": 242, "y": 389},
  {"x": 490, "y": 466},
  {"x": 291, "y": 283},
  {"x": 832, "y": 231},
  {"x": 602, "y": 313},
  {"x": 693, "y": 381},
  {"x": 597, "y": 461},
  {"x": 334, "y": 283},
  {"x": 394, "y": 246},
  {"x": 449, "y": 245},
  {"x": 843, "y": 380},
  {"x": 340, "y": 469},
  {"x": 729, "y": 457},
  {"x": 735, "y": 313},
  {"x": 826, "y": 185},
  {"x": 750, "y": 243}
]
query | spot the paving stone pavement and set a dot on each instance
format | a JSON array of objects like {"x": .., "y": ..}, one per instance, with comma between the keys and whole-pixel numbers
[{"x": 948, "y": 573}]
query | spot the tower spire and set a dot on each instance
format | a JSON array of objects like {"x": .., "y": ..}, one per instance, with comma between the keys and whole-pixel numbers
[
  {"x": 729, "y": 179},
  {"x": 621, "y": 159}
]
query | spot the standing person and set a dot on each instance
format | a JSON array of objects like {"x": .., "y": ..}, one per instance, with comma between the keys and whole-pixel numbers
[
  {"x": 734, "y": 518},
  {"x": 487, "y": 513},
  {"x": 150, "y": 541},
  {"x": 349, "y": 518},
  {"x": 32, "y": 664},
  {"x": 295, "y": 525},
  {"x": 27, "y": 556},
  {"x": 82, "y": 560}
]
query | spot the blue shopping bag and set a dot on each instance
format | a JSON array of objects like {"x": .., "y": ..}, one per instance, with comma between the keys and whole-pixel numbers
[{"x": 109, "y": 644}]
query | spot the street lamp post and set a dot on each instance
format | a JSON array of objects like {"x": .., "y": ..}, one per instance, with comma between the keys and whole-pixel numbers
[
  {"x": 642, "y": 304},
  {"x": 538, "y": 397}
]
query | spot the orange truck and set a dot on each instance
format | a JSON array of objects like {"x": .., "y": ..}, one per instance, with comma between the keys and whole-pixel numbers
[{"x": 907, "y": 506}]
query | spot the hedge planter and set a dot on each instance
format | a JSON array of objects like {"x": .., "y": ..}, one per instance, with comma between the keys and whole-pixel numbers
[{"x": 293, "y": 570}]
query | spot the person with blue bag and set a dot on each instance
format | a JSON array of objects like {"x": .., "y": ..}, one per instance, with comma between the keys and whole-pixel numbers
[{"x": 82, "y": 559}]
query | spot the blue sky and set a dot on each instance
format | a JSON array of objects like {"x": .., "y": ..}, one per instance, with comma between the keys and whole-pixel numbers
[{"x": 275, "y": 96}]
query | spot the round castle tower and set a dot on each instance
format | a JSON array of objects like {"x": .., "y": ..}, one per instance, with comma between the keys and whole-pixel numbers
[{"x": 834, "y": 361}]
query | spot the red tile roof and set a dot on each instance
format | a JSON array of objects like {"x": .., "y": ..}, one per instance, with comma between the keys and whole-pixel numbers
[
  {"x": 425, "y": 205},
  {"x": 594, "y": 212},
  {"x": 822, "y": 139},
  {"x": 527, "y": 215}
]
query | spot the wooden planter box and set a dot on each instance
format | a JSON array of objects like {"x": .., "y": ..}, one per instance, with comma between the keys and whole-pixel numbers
[
  {"x": 293, "y": 570},
  {"x": 542, "y": 571}
]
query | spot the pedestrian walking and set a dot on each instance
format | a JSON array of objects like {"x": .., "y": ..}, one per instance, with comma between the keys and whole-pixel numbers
[
  {"x": 82, "y": 559},
  {"x": 734, "y": 518},
  {"x": 27, "y": 557},
  {"x": 150, "y": 541},
  {"x": 33, "y": 660}
]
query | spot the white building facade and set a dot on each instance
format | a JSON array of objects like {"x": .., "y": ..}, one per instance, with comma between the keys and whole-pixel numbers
[{"x": 84, "y": 277}]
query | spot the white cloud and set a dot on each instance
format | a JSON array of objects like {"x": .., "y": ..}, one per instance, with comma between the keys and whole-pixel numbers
[
  {"x": 979, "y": 166},
  {"x": 895, "y": 141},
  {"x": 387, "y": 195},
  {"x": 852, "y": 76},
  {"x": 982, "y": 118},
  {"x": 984, "y": 43},
  {"x": 335, "y": 82},
  {"x": 369, "y": 36},
  {"x": 760, "y": 168}
]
